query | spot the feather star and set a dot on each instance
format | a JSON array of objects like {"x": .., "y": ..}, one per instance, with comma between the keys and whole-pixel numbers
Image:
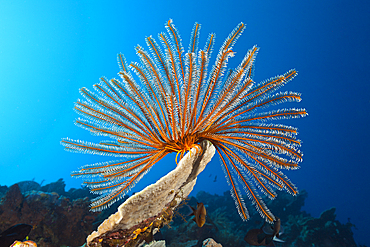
[{"x": 173, "y": 103}]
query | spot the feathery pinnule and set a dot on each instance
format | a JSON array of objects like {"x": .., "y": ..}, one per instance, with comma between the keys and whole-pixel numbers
[{"x": 169, "y": 102}]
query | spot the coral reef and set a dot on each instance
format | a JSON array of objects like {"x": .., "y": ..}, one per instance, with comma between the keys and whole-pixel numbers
[
  {"x": 225, "y": 226},
  {"x": 57, "y": 220},
  {"x": 323, "y": 231},
  {"x": 57, "y": 187},
  {"x": 25, "y": 186},
  {"x": 65, "y": 220}
]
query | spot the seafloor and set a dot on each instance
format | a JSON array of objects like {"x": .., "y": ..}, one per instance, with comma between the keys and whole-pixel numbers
[{"x": 61, "y": 218}]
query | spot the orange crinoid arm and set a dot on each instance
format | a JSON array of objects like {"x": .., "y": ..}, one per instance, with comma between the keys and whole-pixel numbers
[{"x": 170, "y": 101}]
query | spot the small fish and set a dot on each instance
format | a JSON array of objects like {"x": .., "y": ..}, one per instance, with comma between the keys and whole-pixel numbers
[
  {"x": 200, "y": 214},
  {"x": 265, "y": 236},
  {"x": 16, "y": 232},
  {"x": 215, "y": 179}
]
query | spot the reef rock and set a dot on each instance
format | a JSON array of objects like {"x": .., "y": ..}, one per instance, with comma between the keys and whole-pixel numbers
[
  {"x": 25, "y": 186},
  {"x": 161, "y": 243},
  {"x": 58, "y": 187},
  {"x": 209, "y": 242},
  {"x": 56, "y": 219}
]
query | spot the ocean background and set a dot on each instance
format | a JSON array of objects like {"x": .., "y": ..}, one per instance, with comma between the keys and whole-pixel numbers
[{"x": 50, "y": 49}]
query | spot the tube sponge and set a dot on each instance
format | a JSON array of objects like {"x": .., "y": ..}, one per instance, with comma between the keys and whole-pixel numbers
[{"x": 143, "y": 208}]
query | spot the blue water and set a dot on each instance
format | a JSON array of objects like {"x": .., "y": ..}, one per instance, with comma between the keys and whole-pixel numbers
[{"x": 50, "y": 49}]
